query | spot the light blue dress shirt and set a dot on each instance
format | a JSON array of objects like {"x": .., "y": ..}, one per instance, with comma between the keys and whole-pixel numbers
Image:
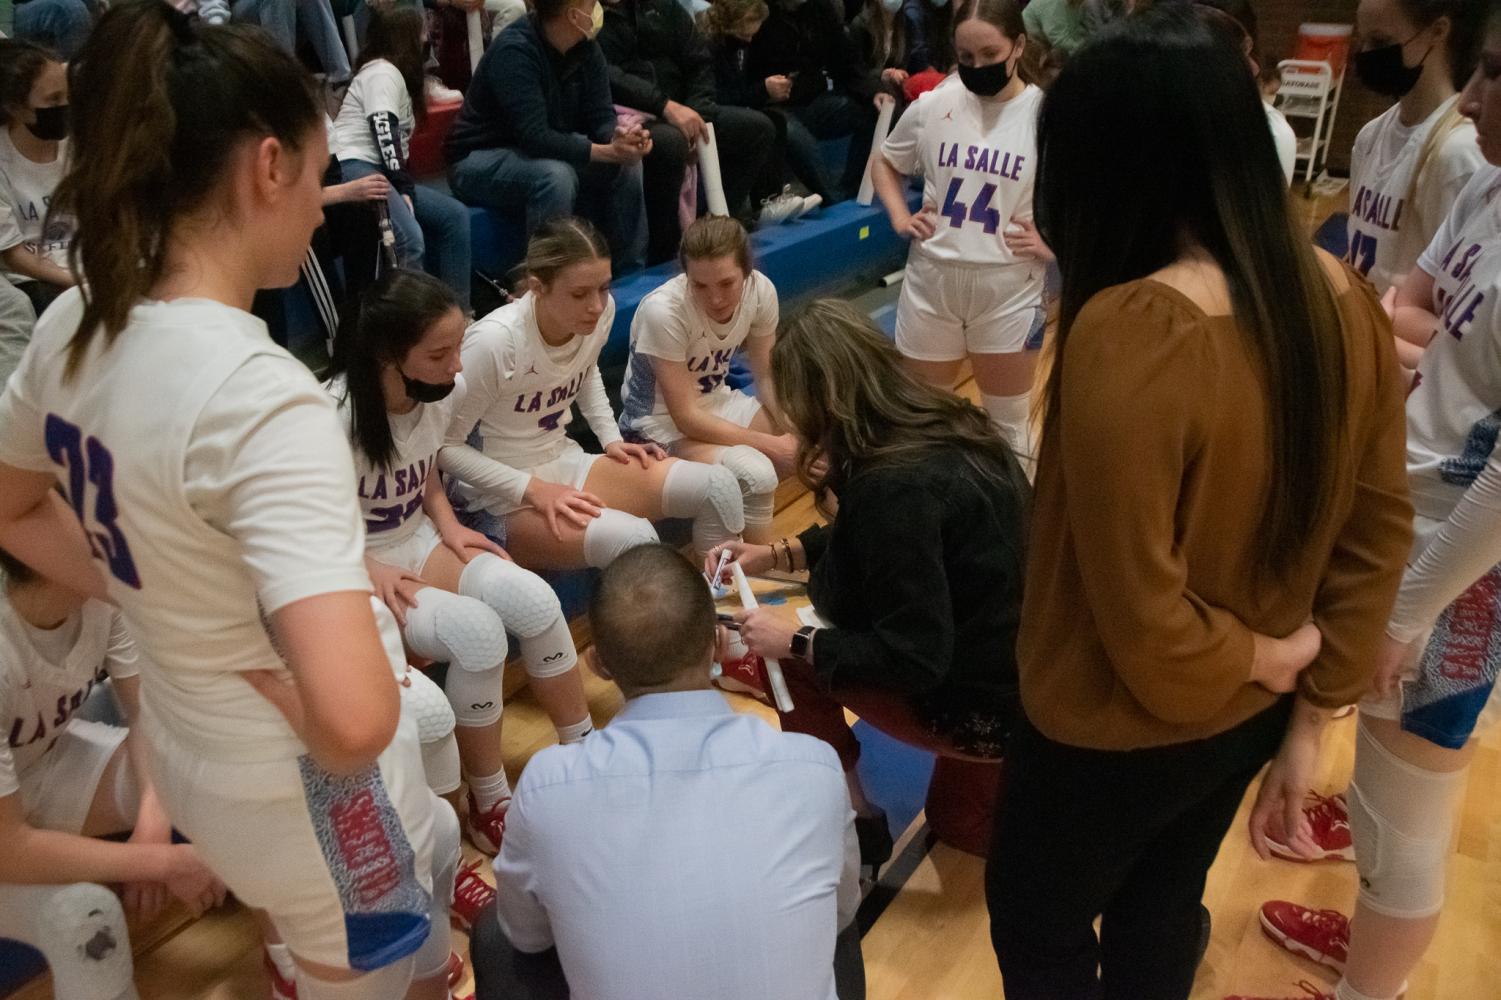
[{"x": 683, "y": 851}]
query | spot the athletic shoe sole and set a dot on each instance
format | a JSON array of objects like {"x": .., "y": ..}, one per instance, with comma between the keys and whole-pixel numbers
[{"x": 1297, "y": 947}]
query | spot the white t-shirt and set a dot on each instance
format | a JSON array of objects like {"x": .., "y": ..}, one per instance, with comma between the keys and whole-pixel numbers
[
  {"x": 520, "y": 392},
  {"x": 45, "y": 675},
  {"x": 25, "y": 195},
  {"x": 1387, "y": 234},
  {"x": 1454, "y": 407},
  {"x": 212, "y": 474},
  {"x": 978, "y": 160},
  {"x": 1286, "y": 140},
  {"x": 669, "y": 324},
  {"x": 391, "y": 498},
  {"x": 377, "y": 87}
]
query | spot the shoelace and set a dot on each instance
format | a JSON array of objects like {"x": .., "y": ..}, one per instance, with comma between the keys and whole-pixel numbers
[
  {"x": 1314, "y": 993},
  {"x": 1331, "y": 922},
  {"x": 472, "y": 890},
  {"x": 1327, "y": 813}
]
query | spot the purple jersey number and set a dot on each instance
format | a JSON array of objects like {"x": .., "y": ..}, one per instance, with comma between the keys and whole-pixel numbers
[
  {"x": 89, "y": 461},
  {"x": 958, "y": 213},
  {"x": 1362, "y": 253}
]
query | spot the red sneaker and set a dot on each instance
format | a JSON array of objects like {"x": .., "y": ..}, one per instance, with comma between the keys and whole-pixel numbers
[
  {"x": 1310, "y": 992},
  {"x": 281, "y": 989},
  {"x": 744, "y": 675},
  {"x": 486, "y": 829},
  {"x": 471, "y": 895},
  {"x": 455, "y": 969},
  {"x": 1322, "y": 935},
  {"x": 1330, "y": 818}
]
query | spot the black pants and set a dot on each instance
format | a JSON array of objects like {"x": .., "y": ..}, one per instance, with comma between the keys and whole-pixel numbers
[
  {"x": 745, "y": 138},
  {"x": 503, "y": 973},
  {"x": 829, "y": 116},
  {"x": 1128, "y": 836}
]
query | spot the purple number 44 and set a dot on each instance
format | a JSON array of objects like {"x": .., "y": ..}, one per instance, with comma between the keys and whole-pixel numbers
[{"x": 958, "y": 213}]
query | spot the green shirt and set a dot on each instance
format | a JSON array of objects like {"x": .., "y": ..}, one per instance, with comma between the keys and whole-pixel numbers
[{"x": 1059, "y": 23}]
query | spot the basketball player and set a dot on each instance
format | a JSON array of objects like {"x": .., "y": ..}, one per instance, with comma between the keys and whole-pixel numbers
[
  {"x": 395, "y": 376},
  {"x": 683, "y": 337},
  {"x": 65, "y": 781},
  {"x": 966, "y": 293},
  {"x": 526, "y": 364},
  {"x": 1409, "y": 164},
  {"x": 214, "y": 483}
]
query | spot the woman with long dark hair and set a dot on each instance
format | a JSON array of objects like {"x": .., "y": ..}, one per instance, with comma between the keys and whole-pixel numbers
[
  {"x": 373, "y": 134},
  {"x": 1221, "y": 514},
  {"x": 218, "y": 498},
  {"x": 918, "y": 575},
  {"x": 34, "y": 240}
]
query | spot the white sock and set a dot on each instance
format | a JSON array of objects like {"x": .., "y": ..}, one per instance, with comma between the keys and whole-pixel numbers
[
  {"x": 281, "y": 957},
  {"x": 1012, "y": 416},
  {"x": 1344, "y": 991},
  {"x": 489, "y": 790},
  {"x": 576, "y": 732}
]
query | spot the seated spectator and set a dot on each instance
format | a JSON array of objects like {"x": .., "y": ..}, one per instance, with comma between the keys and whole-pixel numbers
[
  {"x": 649, "y": 902},
  {"x": 1056, "y": 24},
  {"x": 309, "y": 20},
  {"x": 16, "y": 320},
  {"x": 59, "y": 25},
  {"x": 729, "y": 27},
  {"x": 660, "y": 64},
  {"x": 66, "y": 781},
  {"x": 827, "y": 91},
  {"x": 930, "y": 36},
  {"x": 33, "y": 158},
  {"x": 538, "y": 133},
  {"x": 879, "y": 34},
  {"x": 373, "y": 134},
  {"x": 918, "y": 575}
]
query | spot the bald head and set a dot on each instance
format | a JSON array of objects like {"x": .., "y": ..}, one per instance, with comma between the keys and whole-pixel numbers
[{"x": 652, "y": 619}]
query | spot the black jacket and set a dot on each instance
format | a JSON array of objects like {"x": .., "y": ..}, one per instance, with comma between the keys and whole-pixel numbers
[
  {"x": 528, "y": 96},
  {"x": 657, "y": 54},
  {"x": 733, "y": 81},
  {"x": 920, "y": 576},
  {"x": 809, "y": 40}
]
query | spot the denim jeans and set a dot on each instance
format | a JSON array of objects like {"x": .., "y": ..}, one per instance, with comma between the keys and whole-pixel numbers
[
  {"x": 432, "y": 235},
  {"x": 283, "y": 19},
  {"x": 607, "y": 194},
  {"x": 60, "y": 25}
]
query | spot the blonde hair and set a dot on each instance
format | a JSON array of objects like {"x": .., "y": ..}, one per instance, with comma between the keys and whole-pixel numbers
[
  {"x": 723, "y": 16},
  {"x": 851, "y": 400},
  {"x": 561, "y": 243},
  {"x": 714, "y": 236}
]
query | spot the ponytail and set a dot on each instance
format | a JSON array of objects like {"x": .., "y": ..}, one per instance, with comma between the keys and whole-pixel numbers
[
  {"x": 160, "y": 103},
  {"x": 379, "y": 329}
]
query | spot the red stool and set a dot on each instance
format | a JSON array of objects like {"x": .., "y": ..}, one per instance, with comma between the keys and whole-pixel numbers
[{"x": 962, "y": 799}]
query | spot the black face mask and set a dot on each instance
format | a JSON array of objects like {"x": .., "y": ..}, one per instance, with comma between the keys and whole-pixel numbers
[
  {"x": 1383, "y": 70},
  {"x": 426, "y": 392},
  {"x": 985, "y": 81},
  {"x": 51, "y": 123}
]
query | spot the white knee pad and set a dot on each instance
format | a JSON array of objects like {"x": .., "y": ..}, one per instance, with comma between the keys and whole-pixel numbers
[
  {"x": 81, "y": 931},
  {"x": 1401, "y": 821},
  {"x": 475, "y": 695},
  {"x": 1012, "y": 416},
  {"x": 710, "y": 494},
  {"x": 528, "y": 607},
  {"x": 426, "y": 702},
  {"x": 757, "y": 479},
  {"x": 613, "y": 533},
  {"x": 432, "y": 957},
  {"x": 458, "y": 630},
  {"x": 387, "y": 981}
]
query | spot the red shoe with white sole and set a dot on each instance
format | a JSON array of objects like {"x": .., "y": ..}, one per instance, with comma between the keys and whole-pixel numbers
[
  {"x": 487, "y": 828},
  {"x": 744, "y": 675},
  {"x": 471, "y": 896},
  {"x": 1329, "y": 816},
  {"x": 1310, "y": 992},
  {"x": 1320, "y": 935}
]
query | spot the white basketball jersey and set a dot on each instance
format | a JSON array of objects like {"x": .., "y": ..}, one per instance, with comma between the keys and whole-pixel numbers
[
  {"x": 978, "y": 161},
  {"x": 1454, "y": 406},
  {"x": 41, "y": 688},
  {"x": 521, "y": 392},
  {"x": 670, "y": 325},
  {"x": 391, "y": 498},
  {"x": 213, "y": 479},
  {"x": 1386, "y": 233}
]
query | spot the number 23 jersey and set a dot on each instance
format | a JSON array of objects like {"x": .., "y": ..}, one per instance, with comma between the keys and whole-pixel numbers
[{"x": 978, "y": 161}]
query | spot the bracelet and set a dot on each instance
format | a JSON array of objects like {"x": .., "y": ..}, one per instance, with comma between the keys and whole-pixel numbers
[
  {"x": 775, "y": 559},
  {"x": 787, "y": 548}
]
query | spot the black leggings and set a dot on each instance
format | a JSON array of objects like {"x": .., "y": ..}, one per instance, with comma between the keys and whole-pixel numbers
[{"x": 1128, "y": 836}]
